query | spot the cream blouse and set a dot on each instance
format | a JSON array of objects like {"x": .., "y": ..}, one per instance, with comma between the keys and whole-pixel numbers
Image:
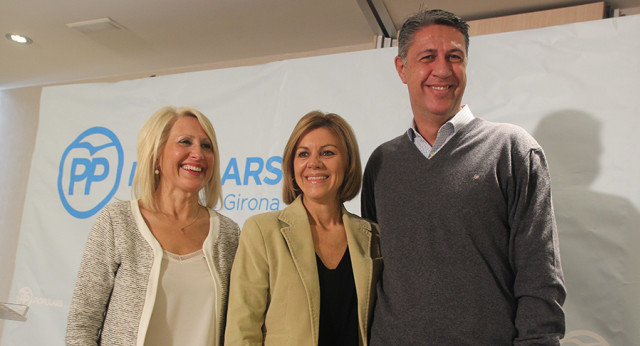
[{"x": 183, "y": 313}]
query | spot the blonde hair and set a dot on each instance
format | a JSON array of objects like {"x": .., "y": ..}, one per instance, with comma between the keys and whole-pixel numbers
[
  {"x": 151, "y": 141},
  {"x": 336, "y": 124}
]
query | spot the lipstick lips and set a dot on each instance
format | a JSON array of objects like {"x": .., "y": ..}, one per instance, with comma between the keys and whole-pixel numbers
[
  {"x": 315, "y": 178},
  {"x": 192, "y": 168}
]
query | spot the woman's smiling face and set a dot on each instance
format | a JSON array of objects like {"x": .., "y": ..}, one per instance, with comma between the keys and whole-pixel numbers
[
  {"x": 186, "y": 161},
  {"x": 320, "y": 165}
]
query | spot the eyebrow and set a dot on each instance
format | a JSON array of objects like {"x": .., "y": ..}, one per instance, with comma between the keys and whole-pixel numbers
[
  {"x": 434, "y": 50},
  {"x": 205, "y": 138},
  {"x": 321, "y": 147}
]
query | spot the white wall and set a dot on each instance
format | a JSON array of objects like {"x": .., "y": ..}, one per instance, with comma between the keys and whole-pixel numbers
[{"x": 18, "y": 125}]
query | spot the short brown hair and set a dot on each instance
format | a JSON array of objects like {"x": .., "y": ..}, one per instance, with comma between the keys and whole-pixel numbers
[
  {"x": 151, "y": 141},
  {"x": 335, "y": 123}
]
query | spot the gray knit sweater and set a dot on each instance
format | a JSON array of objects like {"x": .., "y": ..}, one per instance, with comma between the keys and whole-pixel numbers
[
  {"x": 119, "y": 272},
  {"x": 469, "y": 241}
]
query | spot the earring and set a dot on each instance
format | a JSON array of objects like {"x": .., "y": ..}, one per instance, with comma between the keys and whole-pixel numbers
[{"x": 157, "y": 171}]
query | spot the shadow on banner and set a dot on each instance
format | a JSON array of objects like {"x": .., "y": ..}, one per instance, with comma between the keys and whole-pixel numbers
[{"x": 598, "y": 234}]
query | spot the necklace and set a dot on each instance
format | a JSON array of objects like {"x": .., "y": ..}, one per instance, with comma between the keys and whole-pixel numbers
[{"x": 192, "y": 222}]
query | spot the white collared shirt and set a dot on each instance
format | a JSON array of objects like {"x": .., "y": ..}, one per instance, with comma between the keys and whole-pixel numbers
[{"x": 446, "y": 131}]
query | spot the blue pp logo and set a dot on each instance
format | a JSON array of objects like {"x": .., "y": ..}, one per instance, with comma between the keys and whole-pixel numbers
[{"x": 90, "y": 170}]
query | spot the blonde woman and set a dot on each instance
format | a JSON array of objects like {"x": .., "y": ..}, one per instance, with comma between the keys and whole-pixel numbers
[{"x": 156, "y": 269}]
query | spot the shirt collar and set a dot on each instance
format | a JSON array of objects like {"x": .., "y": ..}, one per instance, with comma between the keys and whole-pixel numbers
[{"x": 458, "y": 121}]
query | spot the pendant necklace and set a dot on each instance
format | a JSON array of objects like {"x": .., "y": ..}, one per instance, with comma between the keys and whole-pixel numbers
[{"x": 192, "y": 222}]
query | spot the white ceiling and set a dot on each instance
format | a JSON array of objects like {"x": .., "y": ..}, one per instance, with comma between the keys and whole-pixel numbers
[{"x": 165, "y": 35}]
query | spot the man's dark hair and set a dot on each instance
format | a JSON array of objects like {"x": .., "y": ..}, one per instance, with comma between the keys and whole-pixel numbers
[{"x": 425, "y": 18}]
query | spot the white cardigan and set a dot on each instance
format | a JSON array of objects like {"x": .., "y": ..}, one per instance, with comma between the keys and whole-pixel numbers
[{"x": 119, "y": 273}]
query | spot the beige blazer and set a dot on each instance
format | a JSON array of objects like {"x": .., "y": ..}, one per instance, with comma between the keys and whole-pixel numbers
[{"x": 274, "y": 296}]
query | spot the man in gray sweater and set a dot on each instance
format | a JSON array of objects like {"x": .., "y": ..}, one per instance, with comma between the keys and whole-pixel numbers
[{"x": 468, "y": 233}]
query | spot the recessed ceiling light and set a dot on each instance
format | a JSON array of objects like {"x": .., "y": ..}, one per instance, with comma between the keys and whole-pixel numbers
[{"x": 18, "y": 38}]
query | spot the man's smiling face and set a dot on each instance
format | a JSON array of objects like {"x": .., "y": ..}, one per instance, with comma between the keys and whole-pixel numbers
[{"x": 435, "y": 72}]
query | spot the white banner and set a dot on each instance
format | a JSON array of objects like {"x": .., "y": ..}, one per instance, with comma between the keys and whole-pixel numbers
[{"x": 575, "y": 87}]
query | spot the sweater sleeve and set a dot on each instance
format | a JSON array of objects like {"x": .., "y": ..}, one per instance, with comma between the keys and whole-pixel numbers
[
  {"x": 534, "y": 255},
  {"x": 367, "y": 196},
  {"x": 94, "y": 284},
  {"x": 226, "y": 245},
  {"x": 249, "y": 289}
]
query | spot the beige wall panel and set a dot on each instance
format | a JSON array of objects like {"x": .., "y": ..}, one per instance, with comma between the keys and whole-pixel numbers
[{"x": 538, "y": 19}]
